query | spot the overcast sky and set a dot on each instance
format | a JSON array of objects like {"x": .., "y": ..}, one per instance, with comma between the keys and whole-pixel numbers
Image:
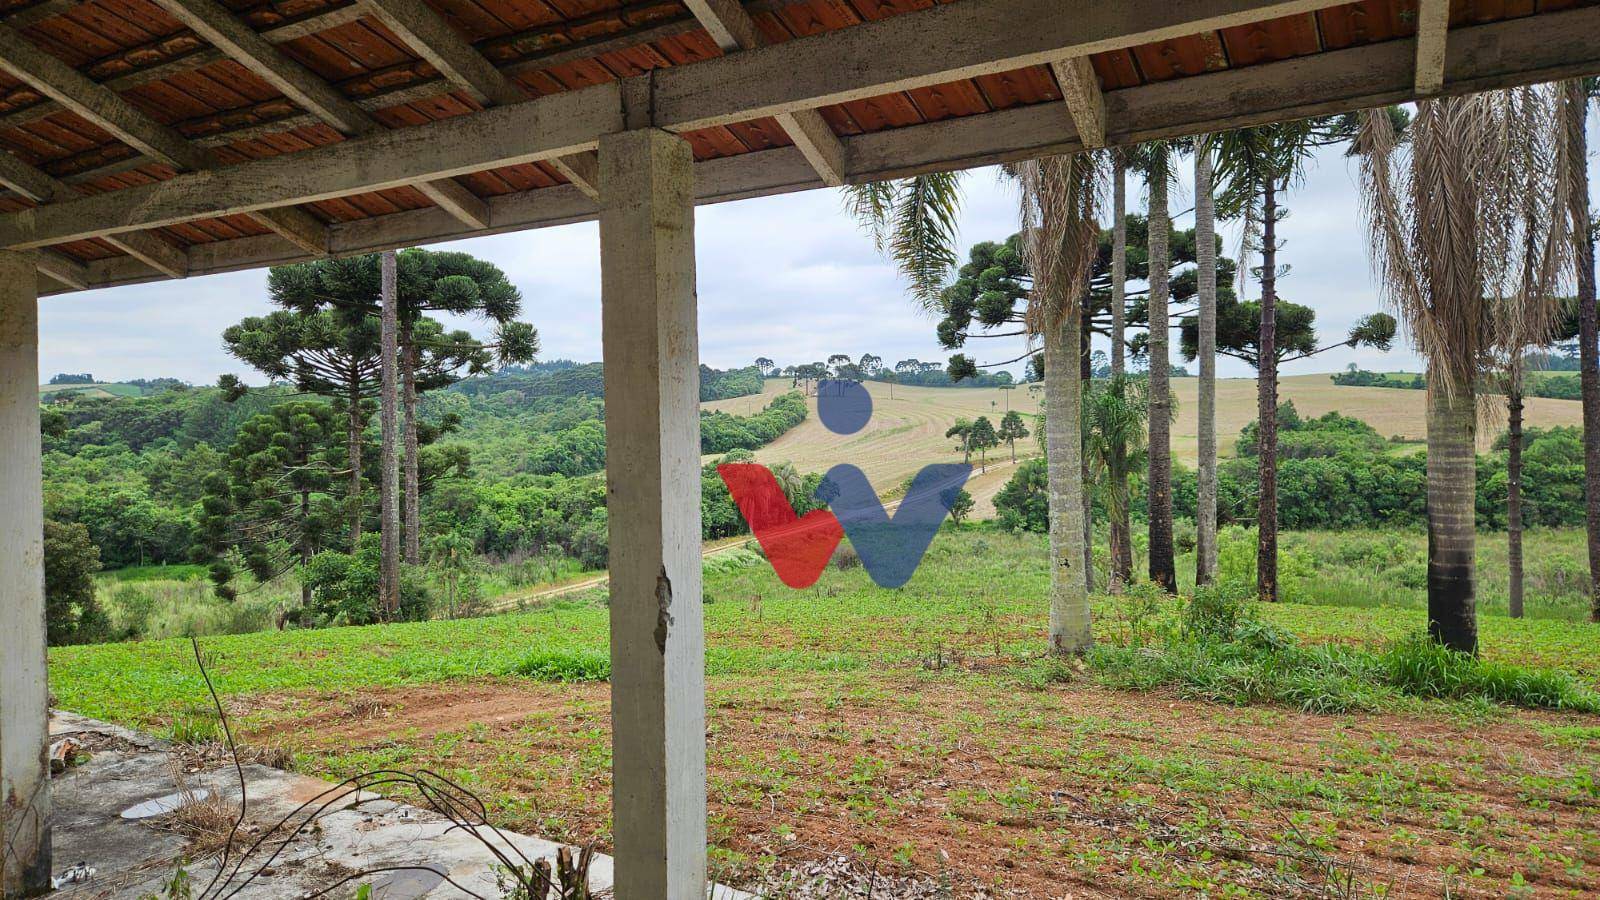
[{"x": 789, "y": 277}]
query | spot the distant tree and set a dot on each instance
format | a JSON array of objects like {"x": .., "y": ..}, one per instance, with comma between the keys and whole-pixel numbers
[
  {"x": 982, "y": 438},
  {"x": 1116, "y": 418},
  {"x": 1012, "y": 429},
  {"x": 277, "y": 504},
  {"x": 427, "y": 281},
  {"x": 961, "y": 505},
  {"x": 962, "y": 432},
  {"x": 69, "y": 378},
  {"x": 323, "y": 353},
  {"x": 70, "y": 562},
  {"x": 869, "y": 365}
]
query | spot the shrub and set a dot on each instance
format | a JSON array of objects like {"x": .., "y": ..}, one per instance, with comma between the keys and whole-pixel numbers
[
  {"x": 70, "y": 560},
  {"x": 344, "y": 588},
  {"x": 1423, "y": 668},
  {"x": 1024, "y": 503}
]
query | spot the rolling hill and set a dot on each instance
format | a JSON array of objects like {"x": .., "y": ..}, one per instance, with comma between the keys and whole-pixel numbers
[{"x": 907, "y": 431}]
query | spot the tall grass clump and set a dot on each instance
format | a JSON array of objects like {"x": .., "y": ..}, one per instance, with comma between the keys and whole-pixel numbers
[
  {"x": 1215, "y": 646},
  {"x": 1422, "y": 668},
  {"x": 567, "y": 666}
]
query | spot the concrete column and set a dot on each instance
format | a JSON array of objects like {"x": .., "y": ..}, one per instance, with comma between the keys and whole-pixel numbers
[
  {"x": 652, "y": 381},
  {"x": 24, "y": 698}
]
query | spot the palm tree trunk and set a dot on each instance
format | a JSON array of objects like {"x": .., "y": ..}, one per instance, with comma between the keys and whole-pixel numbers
[
  {"x": 1267, "y": 401},
  {"x": 389, "y": 561},
  {"x": 413, "y": 488},
  {"x": 353, "y": 448},
  {"x": 1452, "y": 517},
  {"x": 1085, "y": 375},
  {"x": 1588, "y": 341},
  {"x": 1205, "y": 550},
  {"x": 1514, "y": 489},
  {"x": 1121, "y": 530},
  {"x": 1063, "y": 400},
  {"x": 1162, "y": 566},
  {"x": 1121, "y": 527},
  {"x": 1119, "y": 261}
]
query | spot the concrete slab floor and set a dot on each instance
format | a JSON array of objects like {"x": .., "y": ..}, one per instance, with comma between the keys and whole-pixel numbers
[{"x": 133, "y": 858}]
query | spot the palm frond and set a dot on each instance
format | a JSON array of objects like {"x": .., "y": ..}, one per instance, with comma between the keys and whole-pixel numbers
[
  {"x": 1061, "y": 199},
  {"x": 914, "y": 222}
]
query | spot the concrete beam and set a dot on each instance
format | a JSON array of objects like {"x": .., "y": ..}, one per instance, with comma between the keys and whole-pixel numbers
[
  {"x": 1433, "y": 27},
  {"x": 446, "y": 50},
  {"x": 1527, "y": 50},
  {"x": 468, "y": 70},
  {"x": 105, "y": 108},
  {"x": 558, "y": 125},
  {"x": 321, "y": 20},
  {"x": 1080, "y": 88},
  {"x": 24, "y": 713},
  {"x": 54, "y": 78},
  {"x": 583, "y": 170},
  {"x": 652, "y": 382},
  {"x": 40, "y": 187},
  {"x": 734, "y": 30},
  {"x": 62, "y": 268},
  {"x": 232, "y": 36}
]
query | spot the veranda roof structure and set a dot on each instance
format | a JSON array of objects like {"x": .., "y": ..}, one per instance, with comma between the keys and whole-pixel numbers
[{"x": 159, "y": 139}]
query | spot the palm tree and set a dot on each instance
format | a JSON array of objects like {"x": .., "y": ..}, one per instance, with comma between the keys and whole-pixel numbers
[
  {"x": 1452, "y": 243},
  {"x": 1575, "y": 96},
  {"x": 1059, "y": 202},
  {"x": 1254, "y": 166},
  {"x": 1205, "y": 548},
  {"x": 1116, "y": 415},
  {"x": 913, "y": 221},
  {"x": 1154, "y": 161}
]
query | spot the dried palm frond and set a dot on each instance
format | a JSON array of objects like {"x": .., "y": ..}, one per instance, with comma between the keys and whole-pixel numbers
[
  {"x": 1466, "y": 237},
  {"x": 1061, "y": 197}
]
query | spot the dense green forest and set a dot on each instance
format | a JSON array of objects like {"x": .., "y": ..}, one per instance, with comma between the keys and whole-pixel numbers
[
  {"x": 1336, "y": 472},
  {"x": 511, "y": 470}
]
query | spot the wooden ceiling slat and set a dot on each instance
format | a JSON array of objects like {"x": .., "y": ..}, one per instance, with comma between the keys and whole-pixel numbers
[
  {"x": 472, "y": 20},
  {"x": 1367, "y": 22}
]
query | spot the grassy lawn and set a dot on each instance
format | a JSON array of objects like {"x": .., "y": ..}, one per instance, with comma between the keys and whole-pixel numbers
[{"x": 918, "y": 730}]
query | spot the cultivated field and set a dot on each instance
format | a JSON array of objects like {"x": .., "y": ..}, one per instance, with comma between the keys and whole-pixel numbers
[{"x": 907, "y": 431}]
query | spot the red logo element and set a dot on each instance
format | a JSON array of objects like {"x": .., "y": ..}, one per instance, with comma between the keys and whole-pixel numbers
[{"x": 798, "y": 547}]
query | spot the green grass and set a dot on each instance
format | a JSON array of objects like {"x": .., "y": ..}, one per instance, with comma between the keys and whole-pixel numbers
[{"x": 978, "y": 591}]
